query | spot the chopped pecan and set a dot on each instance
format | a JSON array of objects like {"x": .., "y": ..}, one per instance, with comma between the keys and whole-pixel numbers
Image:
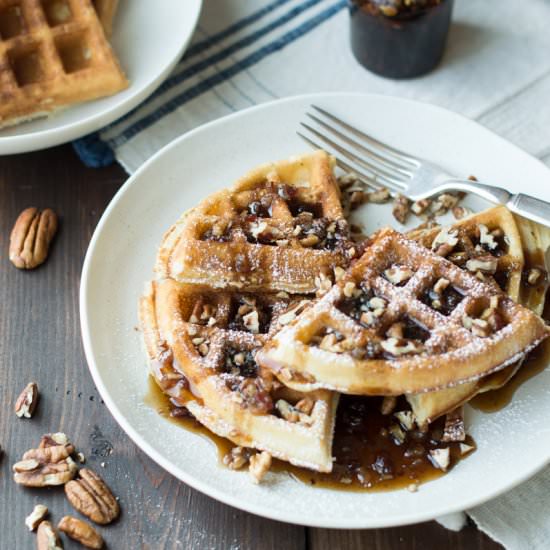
[
  {"x": 445, "y": 241},
  {"x": 419, "y": 207},
  {"x": 254, "y": 396},
  {"x": 92, "y": 498},
  {"x": 397, "y": 346},
  {"x": 27, "y": 401},
  {"x": 350, "y": 289},
  {"x": 441, "y": 458},
  {"x": 305, "y": 405},
  {"x": 380, "y": 196},
  {"x": 535, "y": 276},
  {"x": 442, "y": 204},
  {"x": 401, "y": 208},
  {"x": 460, "y": 212},
  {"x": 441, "y": 285},
  {"x": 31, "y": 237},
  {"x": 397, "y": 434},
  {"x": 260, "y": 464},
  {"x": 287, "y": 411},
  {"x": 395, "y": 330},
  {"x": 33, "y": 520},
  {"x": 81, "y": 531},
  {"x": 486, "y": 237},
  {"x": 47, "y": 537},
  {"x": 398, "y": 274},
  {"x": 310, "y": 240},
  {"x": 357, "y": 198},
  {"x": 406, "y": 419},
  {"x": 484, "y": 264},
  {"x": 347, "y": 180},
  {"x": 237, "y": 458}
]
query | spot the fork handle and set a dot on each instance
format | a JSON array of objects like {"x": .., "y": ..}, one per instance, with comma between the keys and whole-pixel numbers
[
  {"x": 530, "y": 207},
  {"x": 524, "y": 205}
]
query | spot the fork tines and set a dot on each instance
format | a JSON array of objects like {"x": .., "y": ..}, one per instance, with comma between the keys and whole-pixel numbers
[{"x": 376, "y": 163}]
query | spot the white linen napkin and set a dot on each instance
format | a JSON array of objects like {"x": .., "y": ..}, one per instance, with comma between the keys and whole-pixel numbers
[{"x": 248, "y": 52}]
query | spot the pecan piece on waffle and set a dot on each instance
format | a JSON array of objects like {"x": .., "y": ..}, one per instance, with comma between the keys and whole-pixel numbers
[
  {"x": 46, "y": 466},
  {"x": 260, "y": 464},
  {"x": 47, "y": 537},
  {"x": 27, "y": 401},
  {"x": 92, "y": 498},
  {"x": 31, "y": 236},
  {"x": 237, "y": 458},
  {"x": 81, "y": 531}
]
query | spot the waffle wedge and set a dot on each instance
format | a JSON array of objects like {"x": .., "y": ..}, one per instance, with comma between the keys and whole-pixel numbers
[
  {"x": 276, "y": 229},
  {"x": 378, "y": 332},
  {"x": 518, "y": 243},
  {"x": 53, "y": 54},
  {"x": 205, "y": 341}
]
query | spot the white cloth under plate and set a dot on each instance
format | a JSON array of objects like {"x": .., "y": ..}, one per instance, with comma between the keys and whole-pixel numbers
[{"x": 246, "y": 52}]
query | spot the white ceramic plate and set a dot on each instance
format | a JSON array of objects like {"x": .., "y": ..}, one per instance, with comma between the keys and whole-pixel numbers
[
  {"x": 148, "y": 42},
  {"x": 513, "y": 444}
]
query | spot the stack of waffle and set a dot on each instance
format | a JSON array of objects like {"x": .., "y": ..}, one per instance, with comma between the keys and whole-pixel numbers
[
  {"x": 263, "y": 311},
  {"x": 53, "y": 54}
]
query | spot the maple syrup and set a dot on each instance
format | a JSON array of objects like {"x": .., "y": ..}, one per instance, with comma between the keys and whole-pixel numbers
[{"x": 367, "y": 456}]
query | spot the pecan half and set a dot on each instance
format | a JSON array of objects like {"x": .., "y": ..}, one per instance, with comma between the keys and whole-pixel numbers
[
  {"x": 80, "y": 531},
  {"x": 50, "y": 464},
  {"x": 31, "y": 472},
  {"x": 47, "y": 538},
  {"x": 27, "y": 401},
  {"x": 31, "y": 236},
  {"x": 92, "y": 498}
]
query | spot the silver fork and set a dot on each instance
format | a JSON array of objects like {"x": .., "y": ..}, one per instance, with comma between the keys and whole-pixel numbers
[{"x": 380, "y": 165}]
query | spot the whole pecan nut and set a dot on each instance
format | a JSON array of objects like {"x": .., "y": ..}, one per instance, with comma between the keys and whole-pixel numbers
[
  {"x": 27, "y": 401},
  {"x": 47, "y": 538},
  {"x": 92, "y": 498},
  {"x": 81, "y": 531},
  {"x": 31, "y": 236},
  {"x": 46, "y": 466}
]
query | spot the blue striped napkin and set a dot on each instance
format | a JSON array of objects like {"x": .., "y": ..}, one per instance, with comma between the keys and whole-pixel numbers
[
  {"x": 216, "y": 76},
  {"x": 247, "y": 52}
]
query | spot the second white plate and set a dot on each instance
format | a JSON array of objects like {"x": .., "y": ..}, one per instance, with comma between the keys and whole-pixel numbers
[
  {"x": 149, "y": 38},
  {"x": 121, "y": 256}
]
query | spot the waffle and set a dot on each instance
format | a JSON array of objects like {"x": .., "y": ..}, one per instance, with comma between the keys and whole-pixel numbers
[
  {"x": 53, "y": 53},
  {"x": 204, "y": 341},
  {"x": 106, "y": 11},
  {"x": 377, "y": 331},
  {"x": 518, "y": 235},
  {"x": 277, "y": 229}
]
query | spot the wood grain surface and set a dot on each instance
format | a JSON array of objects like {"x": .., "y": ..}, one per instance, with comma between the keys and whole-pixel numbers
[{"x": 40, "y": 341}]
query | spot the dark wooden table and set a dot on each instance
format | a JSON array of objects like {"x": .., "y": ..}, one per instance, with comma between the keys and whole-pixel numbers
[{"x": 40, "y": 341}]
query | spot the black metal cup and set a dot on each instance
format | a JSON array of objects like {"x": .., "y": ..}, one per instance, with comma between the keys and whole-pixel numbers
[{"x": 404, "y": 46}]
